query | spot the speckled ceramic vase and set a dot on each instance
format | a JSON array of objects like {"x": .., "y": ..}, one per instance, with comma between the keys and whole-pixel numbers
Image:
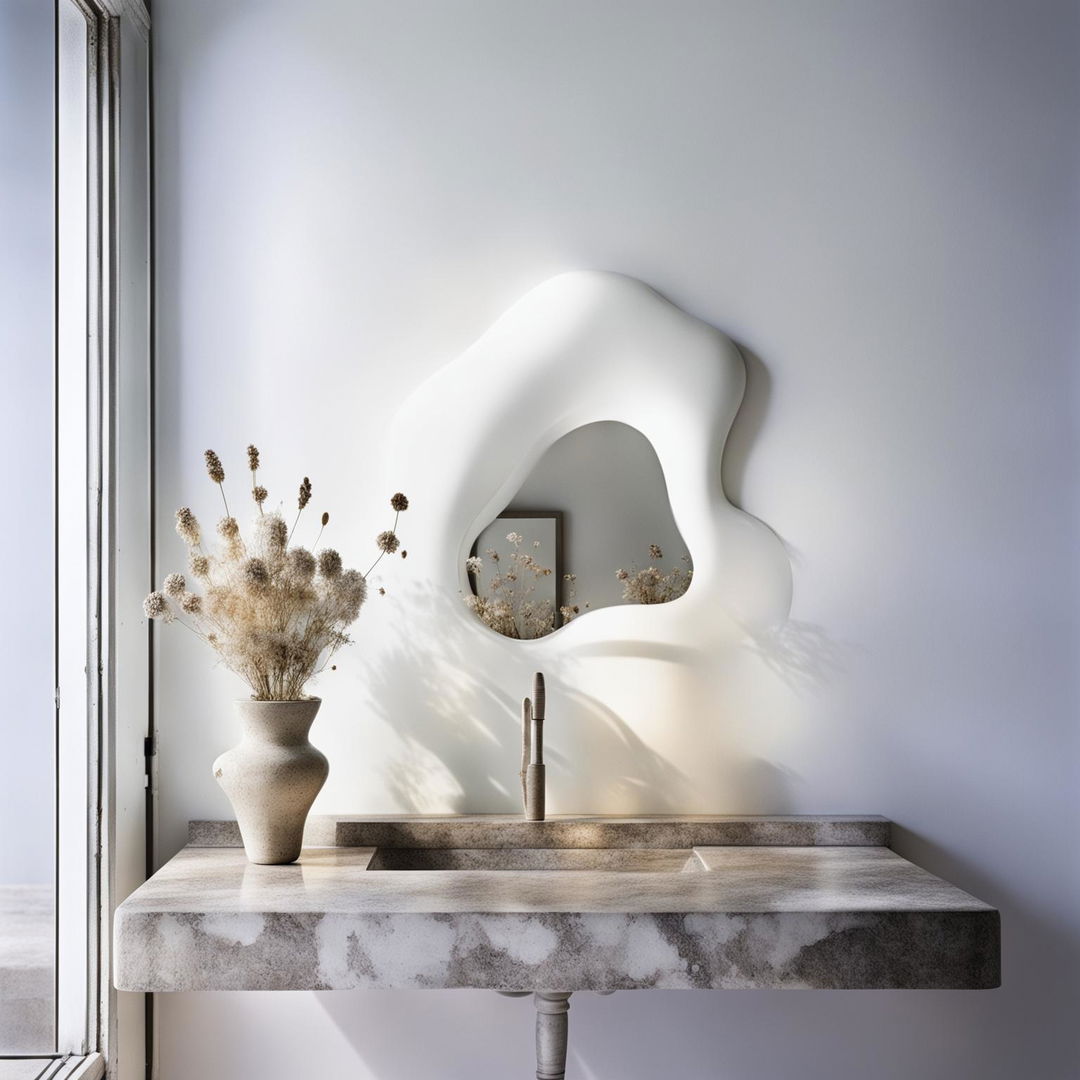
[{"x": 272, "y": 777}]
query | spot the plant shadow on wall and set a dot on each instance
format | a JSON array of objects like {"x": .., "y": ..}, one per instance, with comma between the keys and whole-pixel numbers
[{"x": 460, "y": 726}]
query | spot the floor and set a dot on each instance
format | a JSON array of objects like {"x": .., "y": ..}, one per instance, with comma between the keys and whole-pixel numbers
[{"x": 26, "y": 972}]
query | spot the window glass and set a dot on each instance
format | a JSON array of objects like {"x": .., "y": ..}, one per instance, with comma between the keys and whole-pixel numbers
[
  {"x": 43, "y": 323},
  {"x": 27, "y": 766}
]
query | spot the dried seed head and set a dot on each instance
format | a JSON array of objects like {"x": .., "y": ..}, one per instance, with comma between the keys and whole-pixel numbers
[
  {"x": 259, "y": 494},
  {"x": 253, "y": 457},
  {"x": 305, "y": 494},
  {"x": 352, "y": 588},
  {"x": 622, "y": 574},
  {"x": 329, "y": 564},
  {"x": 325, "y": 519},
  {"x": 200, "y": 565},
  {"x": 382, "y": 591},
  {"x": 175, "y": 585},
  {"x": 228, "y": 528},
  {"x": 398, "y": 502},
  {"x": 256, "y": 574},
  {"x": 214, "y": 467},
  {"x": 404, "y": 553},
  {"x": 300, "y": 565},
  {"x": 156, "y": 606},
  {"x": 273, "y": 533},
  {"x": 388, "y": 542},
  {"x": 187, "y": 525},
  {"x": 191, "y": 603},
  {"x": 474, "y": 564},
  {"x": 655, "y": 552}
]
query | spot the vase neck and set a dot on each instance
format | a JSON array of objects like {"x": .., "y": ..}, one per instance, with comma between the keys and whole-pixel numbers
[{"x": 283, "y": 723}]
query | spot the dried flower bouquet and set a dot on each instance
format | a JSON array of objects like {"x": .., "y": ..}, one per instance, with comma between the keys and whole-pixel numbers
[{"x": 274, "y": 613}]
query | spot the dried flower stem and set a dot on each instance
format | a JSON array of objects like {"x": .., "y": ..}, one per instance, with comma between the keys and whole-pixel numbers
[
  {"x": 367, "y": 573},
  {"x": 301, "y": 502}
]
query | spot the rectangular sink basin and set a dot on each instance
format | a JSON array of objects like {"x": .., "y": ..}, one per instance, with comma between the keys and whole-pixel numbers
[{"x": 630, "y": 860}]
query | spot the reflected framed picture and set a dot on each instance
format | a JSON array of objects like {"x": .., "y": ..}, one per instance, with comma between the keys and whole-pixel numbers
[{"x": 541, "y": 533}]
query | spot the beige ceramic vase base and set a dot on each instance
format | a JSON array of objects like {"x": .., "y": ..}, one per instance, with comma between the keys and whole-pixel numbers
[{"x": 272, "y": 777}]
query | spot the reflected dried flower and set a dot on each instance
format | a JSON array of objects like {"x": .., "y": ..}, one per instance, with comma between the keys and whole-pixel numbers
[
  {"x": 508, "y": 605},
  {"x": 187, "y": 525},
  {"x": 175, "y": 585},
  {"x": 653, "y": 585},
  {"x": 388, "y": 542},
  {"x": 214, "y": 467},
  {"x": 399, "y": 502}
]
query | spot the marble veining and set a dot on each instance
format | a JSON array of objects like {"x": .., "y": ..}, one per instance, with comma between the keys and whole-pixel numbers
[{"x": 754, "y": 916}]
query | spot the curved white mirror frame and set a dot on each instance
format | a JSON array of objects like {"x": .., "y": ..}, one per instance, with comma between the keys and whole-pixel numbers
[{"x": 583, "y": 347}]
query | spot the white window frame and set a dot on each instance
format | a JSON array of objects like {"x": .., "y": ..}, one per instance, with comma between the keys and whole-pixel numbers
[{"x": 104, "y": 387}]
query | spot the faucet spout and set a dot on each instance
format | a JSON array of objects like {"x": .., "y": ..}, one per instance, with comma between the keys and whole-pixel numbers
[{"x": 534, "y": 747}]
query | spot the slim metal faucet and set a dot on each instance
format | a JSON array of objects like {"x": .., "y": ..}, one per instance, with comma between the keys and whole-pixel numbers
[{"x": 532, "y": 750}]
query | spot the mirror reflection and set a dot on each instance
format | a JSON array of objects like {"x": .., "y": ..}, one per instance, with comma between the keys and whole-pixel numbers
[{"x": 590, "y": 527}]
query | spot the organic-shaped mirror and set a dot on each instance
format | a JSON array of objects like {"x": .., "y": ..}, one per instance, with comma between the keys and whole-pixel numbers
[
  {"x": 606, "y": 536},
  {"x": 582, "y": 348}
]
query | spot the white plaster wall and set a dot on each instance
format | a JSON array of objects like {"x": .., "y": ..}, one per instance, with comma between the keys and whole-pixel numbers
[
  {"x": 27, "y": 768},
  {"x": 878, "y": 200}
]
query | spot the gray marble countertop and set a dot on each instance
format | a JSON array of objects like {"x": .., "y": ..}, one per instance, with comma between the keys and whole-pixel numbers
[
  {"x": 571, "y": 830},
  {"x": 783, "y": 913}
]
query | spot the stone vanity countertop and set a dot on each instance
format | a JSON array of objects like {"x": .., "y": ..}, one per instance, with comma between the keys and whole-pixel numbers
[
  {"x": 571, "y": 831},
  {"x": 801, "y": 913}
]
